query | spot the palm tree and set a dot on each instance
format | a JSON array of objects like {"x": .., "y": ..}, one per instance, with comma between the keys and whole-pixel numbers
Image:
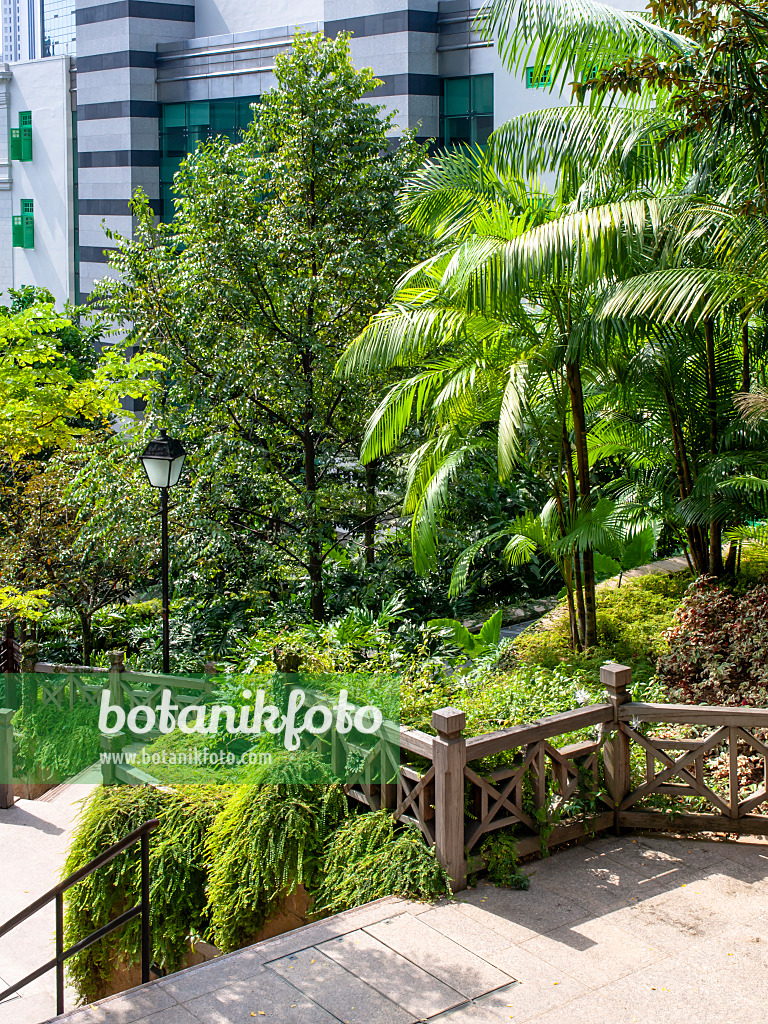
[{"x": 505, "y": 308}]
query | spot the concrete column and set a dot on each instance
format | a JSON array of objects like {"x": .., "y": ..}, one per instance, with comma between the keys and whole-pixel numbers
[{"x": 398, "y": 40}]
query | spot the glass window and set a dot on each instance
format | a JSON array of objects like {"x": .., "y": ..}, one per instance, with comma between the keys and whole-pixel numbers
[
  {"x": 466, "y": 110},
  {"x": 538, "y": 81},
  {"x": 58, "y": 18},
  {"x": 184, "y": 125}
]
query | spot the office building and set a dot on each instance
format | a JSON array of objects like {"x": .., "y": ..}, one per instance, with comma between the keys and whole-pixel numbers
[{"x": 117, "y": 92}]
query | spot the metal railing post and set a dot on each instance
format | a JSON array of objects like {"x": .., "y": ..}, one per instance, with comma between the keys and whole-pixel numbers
[
  {"x": 59, "y": 953},
  {"x": 146, "y": 937}
]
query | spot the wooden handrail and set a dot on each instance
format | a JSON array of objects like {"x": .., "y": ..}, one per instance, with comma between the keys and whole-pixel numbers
[
  {"x": 694, "y": 714},
  {"x": 552, "y": 725}
]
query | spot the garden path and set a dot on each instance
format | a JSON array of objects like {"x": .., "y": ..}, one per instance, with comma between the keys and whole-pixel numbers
[
  {"x": 643, "y": 928},
  {"x": 34, "y": 838}
]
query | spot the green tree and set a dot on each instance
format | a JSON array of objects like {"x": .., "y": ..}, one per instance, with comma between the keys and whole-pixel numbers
[
  {"x": 49, "y": 398},
  {"x": 282, "y": 247}
]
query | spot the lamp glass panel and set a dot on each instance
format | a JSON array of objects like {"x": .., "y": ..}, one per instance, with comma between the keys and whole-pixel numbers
[
  {"x": 158, "y": 471},
  {"x": 176, "y": 467}
]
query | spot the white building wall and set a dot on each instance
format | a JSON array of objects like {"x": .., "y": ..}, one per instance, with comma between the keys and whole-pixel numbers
[
  {"x": 219, "y": 17},
  {"x": 43, "y": 87}
]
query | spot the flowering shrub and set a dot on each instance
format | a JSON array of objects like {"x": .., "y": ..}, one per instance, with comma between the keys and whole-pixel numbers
[{"x": 718, "y": 647}]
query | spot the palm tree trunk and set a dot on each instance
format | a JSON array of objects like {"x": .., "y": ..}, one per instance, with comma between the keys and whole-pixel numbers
[
  {"x": 715, "y": 527},
  {"x": 746, "y": 373},
  {"x": 573, "y": 505},
  {"x": 567, "y": 569},
  {"x": 573, "y": 372},
  {"x": 370, "y": 512},
  {"x": 699, "y": 554}
]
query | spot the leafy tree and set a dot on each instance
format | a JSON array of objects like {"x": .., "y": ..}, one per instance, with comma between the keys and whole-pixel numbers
[
  {"x": 47, "y": 397},
  {"x": 47, "y": 551},
  {"x": 282, "y": 247}
]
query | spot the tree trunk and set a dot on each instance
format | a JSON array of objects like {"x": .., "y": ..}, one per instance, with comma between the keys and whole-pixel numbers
[
  {"x": 699, "y": 554},
  {"x": 715, "y": 527},
  {"x": 573, "y": 621},
  {"x": 730, "y": 562},
  {"x": 746, "y": 373},
  {"x": 371, "y": 474},
  {"x": 314, "y": 541},
  {"x": 87, "y": 630},
  {"x": 573, "y": 372}
]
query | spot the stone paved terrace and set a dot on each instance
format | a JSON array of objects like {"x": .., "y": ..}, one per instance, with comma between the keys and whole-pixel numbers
[{"x": 644, "y": 929}]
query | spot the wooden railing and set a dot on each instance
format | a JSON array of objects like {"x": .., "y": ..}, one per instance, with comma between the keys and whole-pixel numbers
[
  {"x": 620, "y": 773},
  {"x": 548, "y": 795}
]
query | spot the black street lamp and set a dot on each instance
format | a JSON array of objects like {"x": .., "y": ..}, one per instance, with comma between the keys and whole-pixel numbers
[{"x": 163, "y": 459}]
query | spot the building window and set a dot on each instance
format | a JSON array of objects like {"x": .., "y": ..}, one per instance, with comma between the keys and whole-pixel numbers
[
  {"x": 540, "y": 80},
  {"x": 183, "y": 125},
  {"x": 58, "y": 27},
  {"x": 24, "y": 226},
  {"x": 466, "y": 110}
]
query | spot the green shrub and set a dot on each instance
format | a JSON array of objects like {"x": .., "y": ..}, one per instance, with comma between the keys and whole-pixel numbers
[
  {"x": 55, "y": 745},
  {"x": 267, "y": 841},
  {"x": 368, "y": 858},
  {"x": 177, "y": 870},
  {"x": 501, "y": 859}
]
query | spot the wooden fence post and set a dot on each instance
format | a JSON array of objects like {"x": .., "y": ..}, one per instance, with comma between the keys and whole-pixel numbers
[
  {"x": 449, "y": 759},
  {"x": 6, "y": 757},
  {"x": 616, "y": 679},
  {"x": 116, "y": 666},
  {"x": 111, "y": 745}
]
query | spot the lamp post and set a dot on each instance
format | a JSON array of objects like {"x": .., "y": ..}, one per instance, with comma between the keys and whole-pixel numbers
[{"x": 163, "y": 459}]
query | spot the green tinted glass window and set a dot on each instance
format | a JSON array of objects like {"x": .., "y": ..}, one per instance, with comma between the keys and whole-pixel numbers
[
  {"x": 199, "y": 113},
  {"x": 174, "y": 115},
  {"x": 456, "y": 96},
  {"x": 482, "y": 94},
  {"x": 466, "y": 110},
  {"x": 534, "y": 80},
  {"x": 184, "y": 125}
]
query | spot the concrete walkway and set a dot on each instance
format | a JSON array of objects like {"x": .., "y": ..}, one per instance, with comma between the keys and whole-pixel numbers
[
  {"x": 34, "y": 837},
  {"x": 639, "y": 929}
]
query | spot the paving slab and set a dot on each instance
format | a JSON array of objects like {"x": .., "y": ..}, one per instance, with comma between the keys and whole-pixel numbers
[
  {"x": 647, "y": 929},
  {"x": 518, "y": 915},
  {"x": 541, "y": 986},
  {"x": 438, "y": 955},
  {"x": 378, "y": 966},
  {"x": 34, "y": 838},
  {"x": 339, "y": 991},
  {"x": 264, "y": 997}
]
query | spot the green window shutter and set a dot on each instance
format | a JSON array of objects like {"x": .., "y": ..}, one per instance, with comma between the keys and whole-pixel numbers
[
  {"x": 18, "y": 233},
  {"x": 25, "y": 131},
  {"x": 28, "y": 223},
  {"x": 15, "y": 143},
  {"x": 29, "y": 230}
]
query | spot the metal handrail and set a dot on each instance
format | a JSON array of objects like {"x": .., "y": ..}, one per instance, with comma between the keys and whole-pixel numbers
[{"x": 140, "y": 834}]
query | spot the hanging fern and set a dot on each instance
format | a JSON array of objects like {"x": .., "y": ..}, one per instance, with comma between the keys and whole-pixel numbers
[
  {"x": 177, "y": 873},
  {"x": 269, "y": 840},
  {"x": 367, "y": 859}
]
